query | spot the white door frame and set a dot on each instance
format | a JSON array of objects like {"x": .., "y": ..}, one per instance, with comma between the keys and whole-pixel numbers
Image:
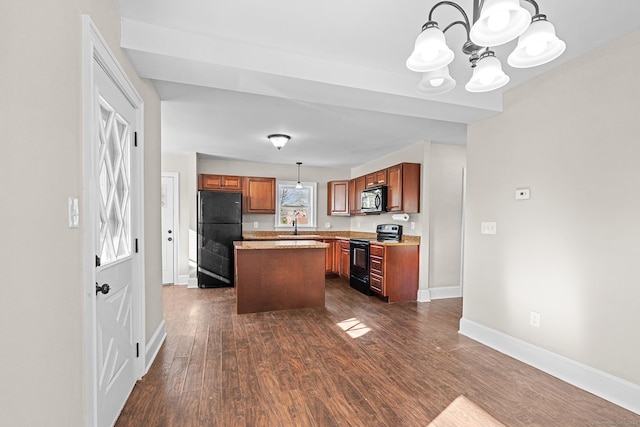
[
  {"x": 176, "y": 222},
  {"x": 96, "y": 50}
]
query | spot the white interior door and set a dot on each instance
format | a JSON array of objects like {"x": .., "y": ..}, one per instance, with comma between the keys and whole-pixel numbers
[
  {"x": 115, "y": 279},
  {"x": 168, "y": 229}
]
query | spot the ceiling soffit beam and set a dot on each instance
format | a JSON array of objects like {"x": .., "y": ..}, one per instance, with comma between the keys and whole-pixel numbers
[{"x": 196, "y": 56}]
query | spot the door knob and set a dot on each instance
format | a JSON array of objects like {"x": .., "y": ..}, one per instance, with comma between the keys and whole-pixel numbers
[
  {"x": 104, "y": 289},
  {"x": 170, "y": 239}
]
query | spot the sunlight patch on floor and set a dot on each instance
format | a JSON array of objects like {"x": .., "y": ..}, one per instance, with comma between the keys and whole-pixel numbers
[{"x": 353, "y": 327}]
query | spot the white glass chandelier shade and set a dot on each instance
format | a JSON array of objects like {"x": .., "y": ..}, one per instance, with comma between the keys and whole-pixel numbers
[
  {"x": 500, "y": 22},
  {"x": 430, "y": 52},
  {"x": 298, "y": 184},
  {"x": 487, "y": 75},
  {"x": 279, "y": 140},
  {"x": 436, "y": 82},
  {"x": 537, "y": 45}
]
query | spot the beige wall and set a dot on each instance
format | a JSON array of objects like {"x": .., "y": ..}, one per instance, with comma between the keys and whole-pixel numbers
[
  {"x": 571, "y": 252},
  {"x": 41, "y": 308},
  {"x": 445, "y": 217}
]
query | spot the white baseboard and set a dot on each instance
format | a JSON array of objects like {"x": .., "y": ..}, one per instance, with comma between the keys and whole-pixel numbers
[
  {"x": 616, "y": 390},
  {"x": 192, "y": 282},
  {"x": 424, "y": 295},
  {"x": 183, "y": 279},
  {"x": 446, "y": 292},
  {"x": 153, "y": 346}
]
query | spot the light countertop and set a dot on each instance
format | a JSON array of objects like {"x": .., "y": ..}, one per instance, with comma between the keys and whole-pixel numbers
[
  {"x": 280, "y": 244},
  {"x": 331, "y": 235}
]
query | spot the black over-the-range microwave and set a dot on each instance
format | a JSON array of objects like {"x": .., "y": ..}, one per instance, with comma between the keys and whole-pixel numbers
[{"x": 374, "y": 200}]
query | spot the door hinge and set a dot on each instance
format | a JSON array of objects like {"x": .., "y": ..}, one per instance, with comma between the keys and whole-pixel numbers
[
  {"x": 135, "y": 139},
  {"x": 97, "y": 261},
  {"x": 136, "y": 248},
  {"x": 137, "y": 349}
]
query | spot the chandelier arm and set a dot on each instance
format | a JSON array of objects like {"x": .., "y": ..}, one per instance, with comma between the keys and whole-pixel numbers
[
  {"x": 450, "y": 3},
  {"x": 477, "y": 8},
  {"x": 464, "y": 24},
  {"x": 535, "y": 5}
]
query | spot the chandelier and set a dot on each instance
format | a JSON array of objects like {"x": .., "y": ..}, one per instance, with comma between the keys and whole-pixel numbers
[{"x": 495, "y": 22}]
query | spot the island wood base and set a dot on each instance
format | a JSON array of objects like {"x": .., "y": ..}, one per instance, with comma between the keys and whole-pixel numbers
[{"x": 279, "y": 279}]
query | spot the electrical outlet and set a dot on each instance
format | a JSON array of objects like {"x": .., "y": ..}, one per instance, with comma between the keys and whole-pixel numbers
[
  {"x": 255, "y": 224},
  {"x": 413, "y": 225},
  {"x": 327, "y": 225},
  {"x": 523, "y": 194},
  {"x": 534, "y": 319}
]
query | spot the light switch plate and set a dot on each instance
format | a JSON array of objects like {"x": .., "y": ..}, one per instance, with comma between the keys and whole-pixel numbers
[
  {"x": 488, "y": 228},
  {"x": 74, "y": 213}
]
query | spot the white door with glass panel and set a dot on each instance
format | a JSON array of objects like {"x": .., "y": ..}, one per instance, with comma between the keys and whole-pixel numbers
[{"x": 115, "y": 289}]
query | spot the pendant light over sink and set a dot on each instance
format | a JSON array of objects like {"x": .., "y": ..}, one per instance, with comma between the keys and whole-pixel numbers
[
  {"x": 299, "y": 184},
  {"x": 495, "y": 22}
]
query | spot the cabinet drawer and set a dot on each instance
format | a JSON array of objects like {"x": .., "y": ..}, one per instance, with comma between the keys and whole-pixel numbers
[
  {"x": 344, "y": 244},
  {"x": 376, "y": 265},
  {"x": 376, "y": 284},
  {"x": 376, "y": 250}
]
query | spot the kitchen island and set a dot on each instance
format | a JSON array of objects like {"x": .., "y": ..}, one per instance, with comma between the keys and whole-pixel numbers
[{"x": 279, "y": 275}]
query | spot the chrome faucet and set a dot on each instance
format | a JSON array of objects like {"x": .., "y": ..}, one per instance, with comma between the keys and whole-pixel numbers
[{"x": 295, "y": 225}]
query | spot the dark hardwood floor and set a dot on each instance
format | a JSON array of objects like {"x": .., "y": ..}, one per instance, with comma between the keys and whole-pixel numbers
[{"x": 356, "y": 362}]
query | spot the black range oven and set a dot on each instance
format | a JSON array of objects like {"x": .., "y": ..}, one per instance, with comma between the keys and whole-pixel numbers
[{"x": 359, "y": 265}]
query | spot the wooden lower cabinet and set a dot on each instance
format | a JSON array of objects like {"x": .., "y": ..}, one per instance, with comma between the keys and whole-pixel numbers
[
  {"x": 344, "y": 258},
  {"x": 329, "y": 256},
  {"x": 394, "y": 271}
]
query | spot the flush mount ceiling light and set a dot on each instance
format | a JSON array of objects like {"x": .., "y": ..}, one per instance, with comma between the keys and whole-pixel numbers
[
  {"x": 495, "y": 22},
  {"x": 299, "y": 184},
  {"x": 279, "y": 140}
]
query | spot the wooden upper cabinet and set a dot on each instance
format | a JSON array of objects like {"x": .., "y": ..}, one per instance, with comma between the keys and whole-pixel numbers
[
  {"x": 376, "y": 178},
  {"x": 403, "y": 191},
  {"x": 219, "y": 182},
  {"x": 259, "y": 195},
  {"x": 356, "y": 186},
  {"x": 338, "y": 198}
]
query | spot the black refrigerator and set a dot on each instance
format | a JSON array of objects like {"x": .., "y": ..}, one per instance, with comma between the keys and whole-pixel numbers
[{"x": 219, "y": 225}]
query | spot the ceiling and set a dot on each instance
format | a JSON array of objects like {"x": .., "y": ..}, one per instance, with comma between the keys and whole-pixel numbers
[{"x": 331, "y": 74}]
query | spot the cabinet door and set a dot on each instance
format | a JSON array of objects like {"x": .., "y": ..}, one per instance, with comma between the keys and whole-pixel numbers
[
  {"x": 232, "y": 183},
  {"x": 219, "y": 182},
  {"x": 329, "y": 256},
  {"x": 376, "y": 179},
  {"x": 403, "y": 191},
  {"x": 394, "y": 189},
  {"x": 338, "y": 198},
  {"x": 259, "y": 195},
  {"x": 344, "y": 263},
  {"x": 344, "y": 258},
  {"x": 358, "y": 184},
  {"x": 336, "y": 257}
]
